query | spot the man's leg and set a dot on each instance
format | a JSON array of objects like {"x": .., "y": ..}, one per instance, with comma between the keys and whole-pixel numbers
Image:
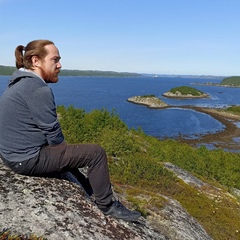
[{"x": 70, "y": 158}]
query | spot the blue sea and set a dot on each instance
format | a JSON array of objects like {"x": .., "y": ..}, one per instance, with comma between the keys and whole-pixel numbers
[{"x": 111, "y": 93}]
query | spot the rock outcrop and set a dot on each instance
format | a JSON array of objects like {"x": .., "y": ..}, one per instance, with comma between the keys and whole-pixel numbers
[
  {"x": 151, "y": 101},
  {"x": 180, "y": 95},
  {"x": 59, "y": 209}
]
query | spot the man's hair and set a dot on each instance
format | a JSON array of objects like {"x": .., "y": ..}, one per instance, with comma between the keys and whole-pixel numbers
[{"x": 34, "y": 48}]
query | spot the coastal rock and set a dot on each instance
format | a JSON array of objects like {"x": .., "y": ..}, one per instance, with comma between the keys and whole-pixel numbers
[
  {"x": 150, "y": 101},
  {"x": 59, "y": 209},
  {"x": 180, "y": 95}
]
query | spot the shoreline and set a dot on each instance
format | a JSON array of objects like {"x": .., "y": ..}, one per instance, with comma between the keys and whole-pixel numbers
[
  {"x": 171, "y": 95},
  {"x": 226, "y": 139},
  {"x": 221, "y": 139}
]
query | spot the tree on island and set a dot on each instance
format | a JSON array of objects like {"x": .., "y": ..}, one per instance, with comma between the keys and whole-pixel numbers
[
  {"x": 231, "y": 81},
  {"x": 184, "y": 91}
]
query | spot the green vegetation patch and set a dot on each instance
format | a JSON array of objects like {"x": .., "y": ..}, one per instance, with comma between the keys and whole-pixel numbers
[
  {"x": 148, "y": 96},
  {"x": 185, "y": 90},
  {"x": 7, "y": 70},
  {"x": 6, "y": 234},
  {"x": 140, "y": 155},
  {"x": 231, "y": 81},
  {"x": 233, "y": 109},
  {"x": 136, "y": 160}
]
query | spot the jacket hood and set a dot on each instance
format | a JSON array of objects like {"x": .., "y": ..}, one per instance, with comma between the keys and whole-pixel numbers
[{"x": 20, "y": 74}]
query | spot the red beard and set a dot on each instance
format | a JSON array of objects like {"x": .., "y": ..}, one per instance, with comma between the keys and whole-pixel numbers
[{"x": 49, "y": 77}]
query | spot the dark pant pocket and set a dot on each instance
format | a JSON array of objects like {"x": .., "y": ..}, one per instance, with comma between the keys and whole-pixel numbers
[{"x": 17, "y": 167}]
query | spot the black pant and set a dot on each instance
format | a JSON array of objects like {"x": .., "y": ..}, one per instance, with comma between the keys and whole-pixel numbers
[{"x": 63, "y": 158}]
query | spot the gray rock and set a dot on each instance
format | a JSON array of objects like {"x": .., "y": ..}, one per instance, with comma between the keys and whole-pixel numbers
[
  {"x": 184, "y": 175},
  {"x": 151, "y": 102},
  {"x": 59, "y": 209},
  {"x": 180, "y": 95}
]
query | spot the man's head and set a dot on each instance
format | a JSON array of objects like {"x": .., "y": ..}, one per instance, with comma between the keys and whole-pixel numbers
[{"x": 40, "y": 56}]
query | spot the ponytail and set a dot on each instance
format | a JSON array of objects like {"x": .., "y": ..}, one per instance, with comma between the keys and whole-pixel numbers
[
  {"x": 34, "y": 48},
  {"x": 19, "y": 56}
]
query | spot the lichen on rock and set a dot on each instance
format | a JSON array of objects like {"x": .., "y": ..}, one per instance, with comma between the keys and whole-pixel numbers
[{"x": 59, "y": 209}]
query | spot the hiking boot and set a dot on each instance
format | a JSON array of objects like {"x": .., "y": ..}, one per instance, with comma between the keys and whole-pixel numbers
[{"x": 117, "y": 210}]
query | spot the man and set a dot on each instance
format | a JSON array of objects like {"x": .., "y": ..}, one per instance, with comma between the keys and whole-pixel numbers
[{"x": 32, "y": 142}]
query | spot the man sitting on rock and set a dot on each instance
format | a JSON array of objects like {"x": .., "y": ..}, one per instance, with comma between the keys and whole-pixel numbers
[{"x": 32, "y": 142}]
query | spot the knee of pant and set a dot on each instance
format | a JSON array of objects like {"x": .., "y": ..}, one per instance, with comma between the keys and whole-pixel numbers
[{"x": 100, "y": 152}]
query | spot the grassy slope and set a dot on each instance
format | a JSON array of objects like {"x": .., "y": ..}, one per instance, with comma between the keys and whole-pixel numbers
[{"x": 136, "y": 166}]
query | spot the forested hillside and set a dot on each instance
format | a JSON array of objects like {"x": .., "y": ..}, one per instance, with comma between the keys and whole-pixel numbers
[
  {"x": 96, "y": 73},
  {"x": 8, "y": 70},
  {"x": 231, "y": 81}
]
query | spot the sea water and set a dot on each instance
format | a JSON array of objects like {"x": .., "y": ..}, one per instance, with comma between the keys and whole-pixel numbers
[{"x": 111, "y": 93}]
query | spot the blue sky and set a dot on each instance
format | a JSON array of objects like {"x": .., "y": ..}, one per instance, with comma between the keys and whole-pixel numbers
[{"x": 200, "y": 37}]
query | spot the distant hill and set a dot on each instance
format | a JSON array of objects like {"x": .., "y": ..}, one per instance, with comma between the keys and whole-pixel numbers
[
  {"x": 231, "y": 81},
  {"x": 8, "y": 70},
  {"x": 65, "y": 72}
]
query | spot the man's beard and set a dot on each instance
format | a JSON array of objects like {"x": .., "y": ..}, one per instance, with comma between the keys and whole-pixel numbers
[{"x": 49, "y": 77}]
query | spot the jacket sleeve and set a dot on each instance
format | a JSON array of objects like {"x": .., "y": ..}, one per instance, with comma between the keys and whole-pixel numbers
[{"x": 43, "y": 111}]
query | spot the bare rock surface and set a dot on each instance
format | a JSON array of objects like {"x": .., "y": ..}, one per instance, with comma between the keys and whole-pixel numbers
[
  {"x": 180, "y": 95},
  {"x": 59, "y": 209},
  {"x": 173, "y": 221},
  {"x": 151, "y": 101},
  {"x": 184, "y": 175}
]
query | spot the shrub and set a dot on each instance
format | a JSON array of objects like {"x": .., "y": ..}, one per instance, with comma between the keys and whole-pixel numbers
[
  {"x": 231, "y": 81},
  {"x": 136, "y": 160},
  {"x": 234, "y": 109},
  {"x": 185, "y": 90},
  {"x": 143, "y": 152}
]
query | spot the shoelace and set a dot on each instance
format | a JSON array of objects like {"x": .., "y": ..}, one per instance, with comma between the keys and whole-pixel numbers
[
  {"x": 118, "y": 204},
  {"x": 121, "y": 207}
]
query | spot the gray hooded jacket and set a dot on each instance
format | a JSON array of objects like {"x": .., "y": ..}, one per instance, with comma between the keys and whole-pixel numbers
[{"x": 28, "y": 118}]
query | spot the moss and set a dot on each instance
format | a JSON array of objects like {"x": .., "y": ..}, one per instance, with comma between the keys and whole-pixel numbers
[{"x": 5, "y": 234}]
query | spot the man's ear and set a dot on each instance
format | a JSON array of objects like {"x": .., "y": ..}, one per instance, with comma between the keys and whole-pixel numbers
[{"x": 35, "y": 61}]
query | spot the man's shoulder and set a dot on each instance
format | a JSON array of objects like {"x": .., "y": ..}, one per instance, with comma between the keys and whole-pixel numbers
[{"x": 25, "y": 77}]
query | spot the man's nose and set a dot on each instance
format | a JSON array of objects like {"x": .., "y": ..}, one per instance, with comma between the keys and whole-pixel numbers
[{"x": 59, "y": 65}]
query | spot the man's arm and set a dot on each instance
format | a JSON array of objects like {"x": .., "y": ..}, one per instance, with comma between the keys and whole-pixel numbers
[{"x": 43, "y": 110}]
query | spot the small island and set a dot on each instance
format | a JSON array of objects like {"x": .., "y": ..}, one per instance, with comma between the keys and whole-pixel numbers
[
  {"x": 150, "y": 101},
  {"x": 233, "y": 81},
  {"x": 185, "y": 92}
]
